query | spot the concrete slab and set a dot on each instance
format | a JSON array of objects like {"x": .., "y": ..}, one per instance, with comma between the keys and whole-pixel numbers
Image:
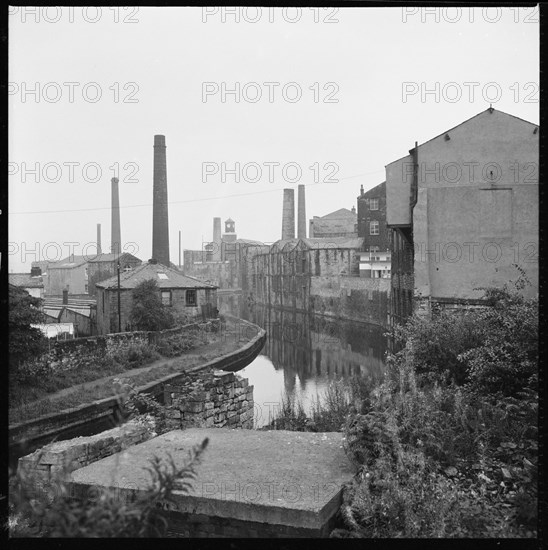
[{"x": 276, "y": 477}]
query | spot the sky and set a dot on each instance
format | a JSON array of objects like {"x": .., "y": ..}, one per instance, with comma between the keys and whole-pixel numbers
[{"x": 324, "y": 97}]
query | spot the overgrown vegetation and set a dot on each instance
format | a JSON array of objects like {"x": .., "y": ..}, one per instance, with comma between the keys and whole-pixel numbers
[
  {"x": 148, "y": 312},
  {"x": 25, "y": 341},
  {"x": 447, "y": 445},
  {"x": 329, "y": 412},
  {"x": 49, "y": 372},
  {"x": 102, "y": 513}
]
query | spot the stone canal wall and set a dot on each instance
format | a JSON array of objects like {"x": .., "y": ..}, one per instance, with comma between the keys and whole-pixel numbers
[
  {"x": 27, "y": 436},
  {"x": 212, "y": 400},
  {"x": 42, "y": 470},
  {"x": 200, "y": 400}
]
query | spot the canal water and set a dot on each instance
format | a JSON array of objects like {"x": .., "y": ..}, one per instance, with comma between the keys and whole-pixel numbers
[{"x": 304, "y": 353}]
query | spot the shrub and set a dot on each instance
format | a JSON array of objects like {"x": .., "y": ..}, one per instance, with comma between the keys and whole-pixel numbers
[
  {"x": 446, "y": 445},
  {"x": 148, "y": 312}
]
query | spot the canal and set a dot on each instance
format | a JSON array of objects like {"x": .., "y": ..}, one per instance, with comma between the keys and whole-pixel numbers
[{"x": 304, "y": 353}]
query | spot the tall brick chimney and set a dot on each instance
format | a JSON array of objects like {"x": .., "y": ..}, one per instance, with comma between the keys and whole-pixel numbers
[
  {"x": 288, "y": 215},
  {"x": 216, "y": 257},
  {"x": 301, "y": 214},
  {"x": 99, "y": 251},
  {"x": 115, "y": 235},
  {"x": 160, "y": 222}
]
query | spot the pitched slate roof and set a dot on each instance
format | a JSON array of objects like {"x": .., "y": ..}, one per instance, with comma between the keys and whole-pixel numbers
[
  {"x": 319, "y": 243},
  {"x": 341, "y": 213},
  {"x": 113, "y": 257},
  {"x": 171, "y": 278},
  {"x": 70, "y": 262},
  {"x": 24, "y": 280}
]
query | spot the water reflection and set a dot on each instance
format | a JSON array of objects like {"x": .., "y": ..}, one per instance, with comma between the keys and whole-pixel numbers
[{"x": 303, "y": 353}]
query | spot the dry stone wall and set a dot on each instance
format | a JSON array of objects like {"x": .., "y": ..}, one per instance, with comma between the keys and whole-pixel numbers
[{"x": 216, "y": 399}]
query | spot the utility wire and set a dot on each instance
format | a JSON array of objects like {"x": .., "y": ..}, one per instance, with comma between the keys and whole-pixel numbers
[{"x": 189, "y": 200}]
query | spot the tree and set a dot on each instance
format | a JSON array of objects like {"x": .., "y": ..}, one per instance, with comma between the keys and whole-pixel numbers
[
  {"x": 24, "y": 341},
  {"x": 148, "y": 312}
]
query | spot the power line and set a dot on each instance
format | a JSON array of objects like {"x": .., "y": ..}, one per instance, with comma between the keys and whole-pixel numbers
[{"x": 189, "y": 200}]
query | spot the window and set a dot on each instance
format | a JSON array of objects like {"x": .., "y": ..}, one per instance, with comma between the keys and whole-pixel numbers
[
  {"x": 374, "y": 228},
  {"x": 166, "y": 297},
  {"x": 191, "y": 298},
  {"x": 127, "y": 267},
  {"x": 373, "y": 204},
  {"x": 163, "y": 276}
]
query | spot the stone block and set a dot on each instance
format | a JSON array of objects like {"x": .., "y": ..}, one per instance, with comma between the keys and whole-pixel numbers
[
  {"x": 224, "y": 376},
  {"x": 234, "y": 420},
  {"x": 209, "y": 405},
  {"x": 219, "y": 417},
  {"x": 198, "y": 395},
  {"x": 230, "y": 414},
  {"x": 241, "y": 397},
  {"x": 193, "y": 407},
  {"x": 209, "y": 422},
  {"x": 239, "y": 391}
]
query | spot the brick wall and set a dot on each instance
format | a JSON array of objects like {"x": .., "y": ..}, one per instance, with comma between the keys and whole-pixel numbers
[{"x": 209, "y": 400}]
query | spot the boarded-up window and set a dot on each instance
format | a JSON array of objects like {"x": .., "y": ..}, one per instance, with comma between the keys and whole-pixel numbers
[
  {"x": 166, "y": 297},
  {"x": 495, "y": 216},
  {"x": 191, "y": 298}
]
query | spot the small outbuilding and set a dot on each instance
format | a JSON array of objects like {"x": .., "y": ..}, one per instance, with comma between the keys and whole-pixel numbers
[{"x": 183, "y": 293}]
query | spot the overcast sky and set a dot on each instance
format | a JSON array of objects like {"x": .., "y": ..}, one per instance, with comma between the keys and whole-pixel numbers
[{"x": 361, "y": 75}]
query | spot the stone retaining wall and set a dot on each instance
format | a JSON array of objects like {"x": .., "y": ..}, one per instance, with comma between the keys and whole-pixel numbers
[
  {"x": 43, "y": 469},
  {"x": 209, "y": 400},
  {"x": 30, "y": 434},
  {"x": 202, "y": 526},
  {"x": 94, "y": 343}
]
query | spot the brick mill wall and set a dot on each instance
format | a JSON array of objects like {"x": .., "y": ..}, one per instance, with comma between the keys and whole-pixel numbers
[
  {"x": 209, "y": 400},
  {"x": 352, "y": 298}
]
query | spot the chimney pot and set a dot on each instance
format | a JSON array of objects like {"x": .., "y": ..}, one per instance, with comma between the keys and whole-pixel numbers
[{"x": 65, "y": 297}]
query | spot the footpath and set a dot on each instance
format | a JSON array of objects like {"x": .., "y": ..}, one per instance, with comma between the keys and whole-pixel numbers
[{"x": 88, "y": 392}]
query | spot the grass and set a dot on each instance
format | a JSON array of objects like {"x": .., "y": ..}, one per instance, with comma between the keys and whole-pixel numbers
[
  {"x": 330, "y": 410},
  {"x": 33, "y": 408}
]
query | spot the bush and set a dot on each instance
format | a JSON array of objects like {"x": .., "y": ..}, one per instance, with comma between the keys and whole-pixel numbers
[
  {"x": 176, "y": 344},
  {"x": 446, "y": 445},
  {"x": 148, "y": 312},
  {"x": 329, "y": 411}
]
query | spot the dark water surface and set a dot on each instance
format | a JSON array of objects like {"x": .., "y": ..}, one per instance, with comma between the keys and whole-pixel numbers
[{"x": 304, "y": 353}]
